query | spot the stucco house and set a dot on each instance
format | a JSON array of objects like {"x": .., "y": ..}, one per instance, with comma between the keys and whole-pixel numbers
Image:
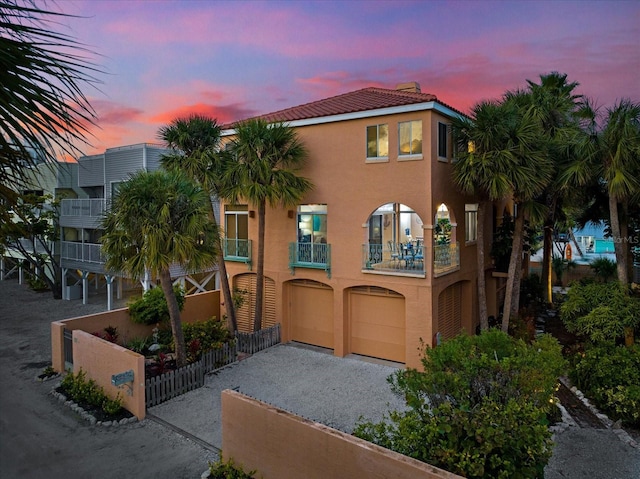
[{"x": 381, "y": 255}]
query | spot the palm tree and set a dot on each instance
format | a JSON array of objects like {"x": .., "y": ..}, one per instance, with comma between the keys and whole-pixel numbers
[
  {"x": 158, "y": 219},
  {"x": 530, "y": 176},
  {"x": 43, "y": 111},
  {"x": 557, "y": 109},
  {"x": 482, "y": 170},
  {"x": 196, "y": 141},
  {"x": 611, "y": 154},
  {"x": 268, "y": 157}
]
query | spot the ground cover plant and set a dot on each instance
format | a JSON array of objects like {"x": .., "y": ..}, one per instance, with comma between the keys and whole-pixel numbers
[
  {"x": 480, "y": 408},
  {"x": 222, "y": 469},
  {"x": 92, "y": 398}
]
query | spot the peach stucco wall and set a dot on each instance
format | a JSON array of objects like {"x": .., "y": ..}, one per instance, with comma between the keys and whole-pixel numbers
[
  {"x": 281, "y": 445},
  {"x": 352, "y": 189},
  {"x": 100, "y": 360}
]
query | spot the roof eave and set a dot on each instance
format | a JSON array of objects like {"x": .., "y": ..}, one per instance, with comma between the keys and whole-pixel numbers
[{"x": 428, "y": 105}]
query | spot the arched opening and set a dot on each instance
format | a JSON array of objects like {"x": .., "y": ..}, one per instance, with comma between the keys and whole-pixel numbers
[{"x": 394, "y": 239}]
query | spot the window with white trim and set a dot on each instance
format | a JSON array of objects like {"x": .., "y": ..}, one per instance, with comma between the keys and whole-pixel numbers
[
  {"x": 378, "y": 141},
  {"x": 410, "y": 138},
  {"x": 471, "y": 222}
]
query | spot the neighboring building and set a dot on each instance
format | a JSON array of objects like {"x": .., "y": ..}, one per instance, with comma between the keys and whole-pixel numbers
[
  {"x": 58, "y": 180},
  {"x": 381, "y": 254},
  {"x": 98, "y": 178}
]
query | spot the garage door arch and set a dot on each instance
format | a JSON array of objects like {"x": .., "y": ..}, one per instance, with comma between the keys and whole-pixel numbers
[
  {"x": 310, "y": 315},
  {"x": 377, "y": 323}
]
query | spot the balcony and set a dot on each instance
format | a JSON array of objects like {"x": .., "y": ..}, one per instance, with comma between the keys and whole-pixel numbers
[
  {"x": 238, "y": 250},
  {"x": 446, "y": 258},
  {"x": 92, "y": 207},
  {"x": 82, "y": 213},
  {"x": 377, "y": 258},
  {"x": 83, "y": 252},
  {"x": 310, "y": 255}
]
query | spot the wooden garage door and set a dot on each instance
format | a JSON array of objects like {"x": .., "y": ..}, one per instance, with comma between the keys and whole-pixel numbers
[
  {"x": 311, "y": 313},
  {"x": 244, "y": 315},
  {"x": 450, "y": 311},
  {"x": 377, "y": 323}
]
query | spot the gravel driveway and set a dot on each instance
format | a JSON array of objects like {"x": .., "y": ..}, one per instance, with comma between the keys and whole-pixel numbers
[{"x": 306, "y": 381}]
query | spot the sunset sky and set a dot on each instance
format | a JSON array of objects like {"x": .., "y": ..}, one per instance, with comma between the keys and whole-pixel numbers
[{"x": 235, "y": 59}]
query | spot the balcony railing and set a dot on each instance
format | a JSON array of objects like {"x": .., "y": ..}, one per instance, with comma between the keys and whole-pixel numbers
[
  {"x": 446, "y": 258},
  {"x": 86, "y": 252},
  {"x": 91, "y": 207},
  {"x": 237, "y": 250},
  {"x": 310, "y": 255},
  {"x": 393, "y": 259},
  {"x": 36, "y": 247}
]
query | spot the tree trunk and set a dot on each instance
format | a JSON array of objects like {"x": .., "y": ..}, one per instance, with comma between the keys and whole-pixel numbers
[
  {"x": 232, "y": 323},
  {"x": 257, "y": 319},
  {"x": 621, "y": 257},
  {"x": 547, "y": 271},
  {"x": 174, "y": 316},
  {"x": 515, "y": 264},
  {"x": 482, "y": 287},
  {"x": 517, "y": 279}
]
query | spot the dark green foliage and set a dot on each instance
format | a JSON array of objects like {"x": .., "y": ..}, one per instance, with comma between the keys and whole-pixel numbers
[
  {"x": 610, "y": 376},
  {"x": 600, "y": 311},
  {"x": 479, "y": 409},
  {"x": 604, "y": 268},
  {"x": 228, "y": 470},
  {"x": 204, "y": 336},
  {"x": 152, "y": 307},
  {"x": 83, "y": 391}
]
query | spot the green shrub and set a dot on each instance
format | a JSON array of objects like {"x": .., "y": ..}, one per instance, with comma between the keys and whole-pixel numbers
[
  {"x": 600, "y": 311},
  {"x": 228, "y": 470},
  {"x": 610, "y": 376},
  {"x": 204, "y": 336},
  {"x": 604, "y": 268},
  {"x": 152, "y": 307},
  {"x": 139, "y": 345},
  {"x": 83, "y": 391},
  {"x": 479, "y": 408}
]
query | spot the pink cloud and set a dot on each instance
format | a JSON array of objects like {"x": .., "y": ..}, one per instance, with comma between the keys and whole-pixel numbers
[{"x": 224, "y": 114}]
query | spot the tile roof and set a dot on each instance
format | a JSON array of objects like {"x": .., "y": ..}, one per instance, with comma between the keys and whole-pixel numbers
[{"x": 366, "y": 99}]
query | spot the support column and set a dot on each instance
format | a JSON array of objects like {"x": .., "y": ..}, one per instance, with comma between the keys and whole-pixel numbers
[
  {"x": 20, "y": 273},
  {"x": 1, "y": 268},
  {"x": 119, "y": 290},
  {"x": 109, "y": 279},
  {"x": 64, "y": 283},
  {"x": 85, "y": 286}
]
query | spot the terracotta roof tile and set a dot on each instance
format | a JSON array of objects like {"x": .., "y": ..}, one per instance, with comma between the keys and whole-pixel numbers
[{"x": 371, "y": 98}]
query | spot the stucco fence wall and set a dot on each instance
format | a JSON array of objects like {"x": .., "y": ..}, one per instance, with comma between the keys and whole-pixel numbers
[
  {"x": 101, "y": 359},
  {"x": 281, "y": 445}
]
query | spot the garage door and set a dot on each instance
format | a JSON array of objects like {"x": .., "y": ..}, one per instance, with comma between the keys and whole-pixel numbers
[
  {"x": 311, "y": 313},
  {"x": 377, "y": 323},
  {"x": 246, "y": 283}
]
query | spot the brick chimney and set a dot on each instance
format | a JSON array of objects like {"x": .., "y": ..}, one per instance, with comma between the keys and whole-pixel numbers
[{"x": 412, "y": 86}]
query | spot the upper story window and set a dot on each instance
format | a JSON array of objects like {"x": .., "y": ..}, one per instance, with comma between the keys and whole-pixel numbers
[
  {"x": 410, "y": 138},
  {"x": 236, "y": 229},
  {"x": 378, "y": 141},
  {"x": 471, "y": 222},
  {"x": 312, "y": 224},
  {"x": 443, "y": 141}
]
